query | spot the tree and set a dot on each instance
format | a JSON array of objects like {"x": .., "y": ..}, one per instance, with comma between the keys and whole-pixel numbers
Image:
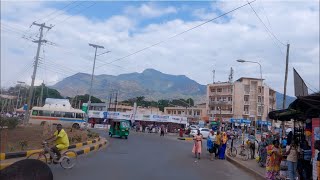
[{"x": 85, "y": 98}]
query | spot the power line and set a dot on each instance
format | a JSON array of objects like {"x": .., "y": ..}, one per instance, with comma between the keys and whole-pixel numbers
[
  {"x": 64, "y": 11},
  {"x": 268, "y": 30},
  {"x": 77, "y": 12},
  {"x": 54, "y": 12},
  {"x": 183, "y": 32}
]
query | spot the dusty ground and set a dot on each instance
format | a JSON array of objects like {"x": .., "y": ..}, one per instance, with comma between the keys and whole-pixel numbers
[{"x": 32, "y": 136}]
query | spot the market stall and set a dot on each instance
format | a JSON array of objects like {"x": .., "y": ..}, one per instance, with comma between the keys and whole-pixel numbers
[{"x": 305, "y": 114}]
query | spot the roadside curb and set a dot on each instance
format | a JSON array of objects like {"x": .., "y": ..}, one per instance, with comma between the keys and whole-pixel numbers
[
  {"x": 12, "y": 155},
  {"x": 185, "y": 139},
  {"x": 245, "y": 168},
  {"x": 79, "y": 152}
]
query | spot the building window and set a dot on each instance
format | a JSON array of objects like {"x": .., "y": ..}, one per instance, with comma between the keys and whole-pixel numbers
[
  {"x": 219, "y": 99},
  {"x": 229, "y": 98},
  {"x": 246, "y": 98},
  {"x": 198, "y": 113},
  {"x": 246, "y": 108},
  {"x": 190, "y": 112},
  {"x": 169, "y": 112},
  {"x": 225, "y": 89},
  {"x": 247, "y": 88},
  {"x": 224, "y": 99},
  {"x": 179, "y": 112},
  {"x": 213, "y": 90},
  {"x": 259, "y": 89},
  {"x": 259, "y": 98},
  {"x": 219, "y": 90}
]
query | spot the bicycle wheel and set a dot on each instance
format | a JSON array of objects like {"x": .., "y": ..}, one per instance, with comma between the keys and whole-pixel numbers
[
  {"x": 244, "y": 155},
  {"x": 39, "y": 156},
  {"x": 233, "y": 152},
  {"x": 68, "y": 159}
]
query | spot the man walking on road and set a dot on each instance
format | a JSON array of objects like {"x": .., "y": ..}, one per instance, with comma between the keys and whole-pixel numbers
[{"x": 162, "y": 130}]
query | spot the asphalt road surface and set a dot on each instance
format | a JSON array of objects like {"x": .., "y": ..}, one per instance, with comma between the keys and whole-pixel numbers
[{"x": 146, "y": 156}]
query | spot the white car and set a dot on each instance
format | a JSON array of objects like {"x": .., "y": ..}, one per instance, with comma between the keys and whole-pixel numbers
[
  {"x": 194, "y": 127},
  {"x": 204, "y": 131}
]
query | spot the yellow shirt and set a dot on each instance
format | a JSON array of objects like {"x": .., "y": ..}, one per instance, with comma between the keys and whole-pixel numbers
[
  {"x": 218, "y": 139},
  {"x": 62, "y": 138}
]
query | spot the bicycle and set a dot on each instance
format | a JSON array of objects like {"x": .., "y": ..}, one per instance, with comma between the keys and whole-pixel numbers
[
  {"x": 232, "y": 151},
  {"x": 244, "y": 153},
  {"x": 67, "y": 161}
]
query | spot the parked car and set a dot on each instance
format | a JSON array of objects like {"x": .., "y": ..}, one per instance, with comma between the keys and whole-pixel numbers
[
  {"x": 204, "y": 131},
  {"x": 194, "y": 127}
]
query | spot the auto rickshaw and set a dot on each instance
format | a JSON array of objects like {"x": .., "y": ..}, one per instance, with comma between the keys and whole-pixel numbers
[{"x": 119, "y": 128}]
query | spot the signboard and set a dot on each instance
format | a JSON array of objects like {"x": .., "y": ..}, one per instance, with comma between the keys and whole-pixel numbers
[
  {"x": 240, "y": 121},
  {"x": 85, "y": 107}
]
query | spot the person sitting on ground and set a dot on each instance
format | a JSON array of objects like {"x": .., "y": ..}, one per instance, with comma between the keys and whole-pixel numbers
[{"x": 62, "y": 141}]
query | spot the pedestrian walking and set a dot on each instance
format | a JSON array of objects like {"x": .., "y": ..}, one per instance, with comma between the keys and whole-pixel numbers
[
  {"x": 162, "y": 130},
  {"x": 274, "y": 157},
  {"x": 252, "y": 140},
  {"x": 292, "y": 152},
  {"x": 197, "y": 146},
  {"x": 210, "y": 144},
  {"x": 223, "y": 146},
  {"x": 217, "y": 144},
  {"x": 262, "y": 148}
]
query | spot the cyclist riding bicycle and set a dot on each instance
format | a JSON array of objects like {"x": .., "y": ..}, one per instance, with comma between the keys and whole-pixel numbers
[{"x": 62, "y": 141}]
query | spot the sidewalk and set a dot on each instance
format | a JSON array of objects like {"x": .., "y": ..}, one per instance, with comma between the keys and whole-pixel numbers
[{"x": 251, "y": 166}]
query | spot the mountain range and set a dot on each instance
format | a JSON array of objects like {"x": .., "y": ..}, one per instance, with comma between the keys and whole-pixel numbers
[{"x": 151, "y": 84}]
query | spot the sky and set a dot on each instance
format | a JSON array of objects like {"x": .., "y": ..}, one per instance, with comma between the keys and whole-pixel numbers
[{"x": 128, "y": 27}]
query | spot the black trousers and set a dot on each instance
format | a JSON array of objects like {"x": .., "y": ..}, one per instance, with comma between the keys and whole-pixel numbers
[
  {"x": 216, "y": 150},
  {"x": 253, "y": 150},
  {"x": 162, "y": 133},
  {"x": 56, "y": 151}
]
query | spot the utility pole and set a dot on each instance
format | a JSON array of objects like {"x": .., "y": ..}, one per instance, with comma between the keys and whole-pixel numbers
[
  {"x": 213, "y": 75},
  {"x": 33, "y": 77},
  {"x": 94, "y": 64},
  {"x": 110, "y": 99},
  {"x": 116, "y": 102},
  {"x": 41, "y": 94},
  {"x": 285, "y": 86}
]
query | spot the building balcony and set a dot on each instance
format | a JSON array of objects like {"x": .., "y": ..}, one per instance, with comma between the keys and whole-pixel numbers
[
  {"x": 217, "y": 103},
  {"x": 220, "y": 93},
  {"x": 246, "y": 113},
  {"x": 246, "y": 103},
  {"x": 222, "y": 112}
]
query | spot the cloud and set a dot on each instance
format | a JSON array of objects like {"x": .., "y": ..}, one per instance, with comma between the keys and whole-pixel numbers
[
  {"x": 150, "y": 10},
  {"x": 194, "y": 54}
]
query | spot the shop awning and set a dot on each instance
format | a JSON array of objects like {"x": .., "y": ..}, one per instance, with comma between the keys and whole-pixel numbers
[{"x": 302, "y": 108}]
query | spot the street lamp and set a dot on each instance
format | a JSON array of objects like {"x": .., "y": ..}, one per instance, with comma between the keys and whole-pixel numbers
[{"x": 261, "y": 103}]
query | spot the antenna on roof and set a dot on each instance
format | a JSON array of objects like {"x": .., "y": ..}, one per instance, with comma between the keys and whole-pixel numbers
[
  {"x": 231, "y": 75},
  {"x": 213, "y": 75}
]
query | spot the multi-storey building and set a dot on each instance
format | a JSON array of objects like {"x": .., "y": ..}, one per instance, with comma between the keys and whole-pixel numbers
[
  {"x": 193, "y": 114},
  {"x": 242, "y": 99}
]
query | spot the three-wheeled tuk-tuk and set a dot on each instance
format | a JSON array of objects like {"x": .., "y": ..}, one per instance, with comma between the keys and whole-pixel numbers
[{"x": 119, "y": 128}]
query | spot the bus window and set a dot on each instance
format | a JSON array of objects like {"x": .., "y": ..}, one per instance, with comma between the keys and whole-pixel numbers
[
  {"x": 35, "y": 112},
  {"x": 69, "y": 114},
  {"x": 56, "y": 114},
  {"x": 79, "y": 115}
]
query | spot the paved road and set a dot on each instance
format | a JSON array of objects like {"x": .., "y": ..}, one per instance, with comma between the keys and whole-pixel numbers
[{"x": 148, "y": 156}]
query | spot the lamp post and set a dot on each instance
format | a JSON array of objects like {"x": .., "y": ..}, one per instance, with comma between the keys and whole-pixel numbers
[{"x": 261, "y": 103}]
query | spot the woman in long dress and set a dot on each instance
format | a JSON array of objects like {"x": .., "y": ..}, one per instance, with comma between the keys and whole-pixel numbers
[
  {"x": 197, "y": 147},
  {"x": 223, "y": 146},
  {"x": 274, "y": 157}
]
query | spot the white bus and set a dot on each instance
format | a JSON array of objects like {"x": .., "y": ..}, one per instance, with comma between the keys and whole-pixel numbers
[{"x": 75, "y": 118}]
